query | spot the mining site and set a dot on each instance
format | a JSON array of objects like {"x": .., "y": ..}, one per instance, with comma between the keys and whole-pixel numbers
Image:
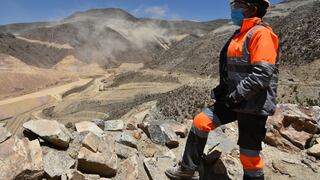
[{"x": 102, "y": 94}]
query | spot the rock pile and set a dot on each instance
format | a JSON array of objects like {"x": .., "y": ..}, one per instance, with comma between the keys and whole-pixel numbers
[
  {"x": 141, "y": 145},
  {"x": 294, "y": 128},
  {"x": 94, "y": 149}
]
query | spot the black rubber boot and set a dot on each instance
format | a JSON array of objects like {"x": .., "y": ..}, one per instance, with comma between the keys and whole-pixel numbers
[
  {"x": 193, "y": 151},
  {"x": 245, "y": 177}
]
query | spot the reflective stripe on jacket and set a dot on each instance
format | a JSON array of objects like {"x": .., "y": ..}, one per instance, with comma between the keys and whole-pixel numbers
[{"x": 251, "y": 67}]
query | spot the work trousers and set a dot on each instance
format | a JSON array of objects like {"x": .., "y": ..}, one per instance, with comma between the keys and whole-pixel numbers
[{"x": 252, "y": 131}]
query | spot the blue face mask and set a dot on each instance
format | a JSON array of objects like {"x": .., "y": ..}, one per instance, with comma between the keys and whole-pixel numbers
[{"x": 237, "y": 16}]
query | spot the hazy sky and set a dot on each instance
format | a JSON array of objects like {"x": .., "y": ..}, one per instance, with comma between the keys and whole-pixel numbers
[{"x": 14, "y": 11}]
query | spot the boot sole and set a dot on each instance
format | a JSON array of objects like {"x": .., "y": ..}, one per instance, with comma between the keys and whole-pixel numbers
[{"x": 173, "y": 177}]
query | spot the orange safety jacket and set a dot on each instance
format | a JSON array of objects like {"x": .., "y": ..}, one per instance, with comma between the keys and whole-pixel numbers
[{"x": 249, "y": 68}]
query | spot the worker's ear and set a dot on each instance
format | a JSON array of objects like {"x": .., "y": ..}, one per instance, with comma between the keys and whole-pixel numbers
[{"x": 251, "y": 11}]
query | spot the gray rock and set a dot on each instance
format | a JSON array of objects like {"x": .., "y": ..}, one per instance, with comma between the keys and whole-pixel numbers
[
  {"x": 56, "y": 163},
  {"x": 51, "y": 131},
  {"x": 180, "y": 129},
  {"x": 4, "y": 134},
  {"x": 127, "y": 139},
  {"x": 160, "y": 132},
  {"x": 21, "y": 159},
  {"x": 104, "y": 162},
  {"x": 99, "y": 123},
  {"x": 124, "y": 151},
  {"x": 113, "y": 125},
  {"x": 170, "y": 137},
  {"x": 154, "y": 170},
  {"x": 89, "y": 126},
  {"x": 77, "y": 175}
]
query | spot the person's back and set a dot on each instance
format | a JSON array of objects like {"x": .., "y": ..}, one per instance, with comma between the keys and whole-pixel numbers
[{"x": 246, "y": 93}]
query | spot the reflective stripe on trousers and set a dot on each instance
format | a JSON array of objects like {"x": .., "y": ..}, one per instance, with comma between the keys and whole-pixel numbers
[
  {"x": 205, "y": 122},
  {"x": 252, "y": 162}
]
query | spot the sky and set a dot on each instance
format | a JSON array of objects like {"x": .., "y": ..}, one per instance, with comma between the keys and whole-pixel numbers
[{"x": 17, "y": 11}]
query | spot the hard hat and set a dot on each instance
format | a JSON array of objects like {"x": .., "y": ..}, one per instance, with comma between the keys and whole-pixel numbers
[{"x": 265, "y": 3}]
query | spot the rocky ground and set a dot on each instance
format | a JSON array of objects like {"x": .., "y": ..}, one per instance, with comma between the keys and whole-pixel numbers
[{"x": 144, "y": 142}]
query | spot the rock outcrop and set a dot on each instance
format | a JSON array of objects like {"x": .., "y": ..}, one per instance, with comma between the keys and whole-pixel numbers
[{"x": 292, "y": 127}]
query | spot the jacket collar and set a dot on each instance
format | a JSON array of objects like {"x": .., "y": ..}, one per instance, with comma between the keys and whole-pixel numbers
[{"x": 248, "y": 23}]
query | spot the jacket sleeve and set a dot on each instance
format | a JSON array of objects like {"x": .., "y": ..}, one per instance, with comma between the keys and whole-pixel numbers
[
  {"x": 263, "y": 54},
  {"x": 257, "y": 80}
]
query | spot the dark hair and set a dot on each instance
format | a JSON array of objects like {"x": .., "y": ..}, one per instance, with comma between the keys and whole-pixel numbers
[{"x": 261, "y": 5}]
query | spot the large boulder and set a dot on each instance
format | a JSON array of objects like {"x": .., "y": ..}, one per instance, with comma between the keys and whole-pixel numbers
[
  {"x": 103, "y": 162},
  {"x": 56, "y": 163},
  {"x": 21, "y": 159},
  {"x": 51, "y": 131},
  {"x": 292, "y": 127},
  {"x": 4, "y": 134}
]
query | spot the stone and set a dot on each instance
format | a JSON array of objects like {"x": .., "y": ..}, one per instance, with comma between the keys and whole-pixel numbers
[
  {"x": 51, "y": 131},
  {"x": 280, "y": 167},
  {"x": 180, "y": 129},
  {"x": 127, "y": 139},
  {"x": 314, "y": 151},
  {"x": 76, "y": 144},
  {"x": 21, "y": 159},
  {"x": 297, "y": 138},
  {"x": 291, "y": 127},
  {"x": 129, "y": 169},
  {"x": 160, "y": 133},
  {"x": 137, "y": 134},
  {"x": 228, "y": 166},
  {"x": 113, "y": 125},
  {"x": 156, "y": 134},
  {"x": 104, "y": 162},
  {"x": 153, "y": 170},
  {"x": 89, "y": 126},
  {"x": 91, "y": 141},
  {"x": 274, "y": 138},
  {"x": 149, "y": 151},
  {"x": 99, "y": 123},
  {"x": 4, "y": 134},
  {"x": 77, "y": 175},
  {"x": 56, "y": 163},
  {"x": 170, "y": 154},
  {"x": 70, "y": 125},
  {"x": 124, "y": 151},
  {"x": 170, "y": 137},
  {"x": 132, "y": 123}
]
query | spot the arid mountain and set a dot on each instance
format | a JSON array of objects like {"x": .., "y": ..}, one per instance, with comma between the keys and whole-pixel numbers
[{"x": 112, "y": 36}]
